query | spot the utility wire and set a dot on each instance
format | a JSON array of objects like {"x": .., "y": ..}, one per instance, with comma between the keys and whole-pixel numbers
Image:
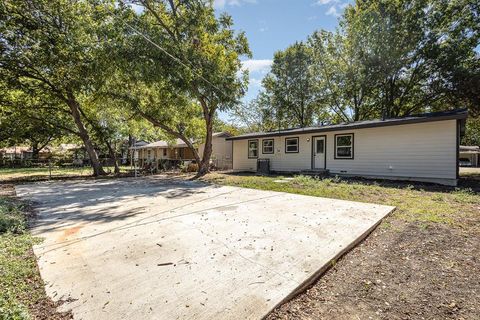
[{"x": 178, "y": 60}]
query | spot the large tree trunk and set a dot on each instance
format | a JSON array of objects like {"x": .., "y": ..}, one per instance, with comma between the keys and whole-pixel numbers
[
  {"x": 129, "y": 150},
  {"x": 83, "y": 134},
  {"x": 35, "y": 150},
  {"x": 113, "y": 155},
  {"x": 208, "y": 114},
  {"x": 204, "y": 165}
]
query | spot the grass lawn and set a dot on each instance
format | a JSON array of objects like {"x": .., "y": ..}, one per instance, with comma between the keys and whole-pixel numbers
[
  {"x": 422, "y": 203},
  {"x": 22, "y": 294},
  {"x": 420, "y": 263},
  {"x": 42, "y": 173}
]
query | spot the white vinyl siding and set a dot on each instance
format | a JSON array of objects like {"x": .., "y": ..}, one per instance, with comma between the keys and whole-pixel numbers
[
  {"x": 241, "y": 162},
  {"x": 279, "y": 160},
  {"x": 422, "y": 150},
  {"x": 221, "y": 151}
]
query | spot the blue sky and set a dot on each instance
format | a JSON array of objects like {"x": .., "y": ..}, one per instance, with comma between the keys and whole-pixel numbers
[{"x": 272, "y": 25}]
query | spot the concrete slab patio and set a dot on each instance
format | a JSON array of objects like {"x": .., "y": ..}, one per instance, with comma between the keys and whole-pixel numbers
[{"x": 156, "y": 248}]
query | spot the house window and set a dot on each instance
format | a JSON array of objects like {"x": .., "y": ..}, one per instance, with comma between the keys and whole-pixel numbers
[
  {"x": 267, "y": 146},
  {"x": 252, "y": 148},
  {"x": 344, "y": 146},
  {"x": 149, "y": 154},
  {"x": 291, "y": 145},
  {"x": 164, "y": 152}
]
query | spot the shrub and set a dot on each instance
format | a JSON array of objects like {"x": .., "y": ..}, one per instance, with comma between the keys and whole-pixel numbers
[
  {"x": 12, "y": 219},
  {"x": 303, "y": 180}
]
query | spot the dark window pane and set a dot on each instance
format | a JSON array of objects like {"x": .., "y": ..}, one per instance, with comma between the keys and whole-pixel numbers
[
  {"x": 291, "y": 145},
  {"x": 320, "y": 146},
  {"x": 292, "y": 142},
  {"x": 344, "y": 151},
  {"x": 344, "y": 141}
]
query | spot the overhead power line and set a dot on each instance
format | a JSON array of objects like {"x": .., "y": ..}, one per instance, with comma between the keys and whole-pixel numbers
[{"x": 176, "y": 59}]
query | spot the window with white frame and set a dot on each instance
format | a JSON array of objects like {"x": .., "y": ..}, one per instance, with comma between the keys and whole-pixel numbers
[
  {"x": 344, "y": 146},
  {"x": 253, "y": 148},
  {"x": 291, "y": 145},
  {"x": 267, "y": 146}
]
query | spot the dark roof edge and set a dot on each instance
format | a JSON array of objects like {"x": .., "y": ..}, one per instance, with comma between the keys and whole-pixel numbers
[{"x": 460, "y": 114}]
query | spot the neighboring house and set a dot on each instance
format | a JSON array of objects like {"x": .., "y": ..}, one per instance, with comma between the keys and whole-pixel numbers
[
  {"x": 469, "y": 156},
  {"x": 24, "y": 153},
  {"x": 161, "y": 151},
  {"x": 421, "y": 148}
]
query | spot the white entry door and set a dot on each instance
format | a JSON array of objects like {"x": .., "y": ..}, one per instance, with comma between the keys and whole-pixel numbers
[{"x": 319, "y": 152}]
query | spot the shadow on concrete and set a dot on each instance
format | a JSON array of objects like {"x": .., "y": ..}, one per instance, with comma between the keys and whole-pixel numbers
[{"x": 101, "y": 201}]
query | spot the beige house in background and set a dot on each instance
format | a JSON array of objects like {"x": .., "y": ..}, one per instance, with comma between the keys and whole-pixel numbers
[
  {"x": 158, "y": 152},
  {"x": 420, "y": 148}
]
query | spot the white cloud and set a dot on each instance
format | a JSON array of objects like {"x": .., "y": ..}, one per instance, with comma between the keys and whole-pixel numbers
[
  {"x": 336, "y": 7},
  {"x": 262, "y": 65},
  {"x": 323, "y": 2},
  {"x": 332, "y": 11},
  {"x": 223, "y": 3}
]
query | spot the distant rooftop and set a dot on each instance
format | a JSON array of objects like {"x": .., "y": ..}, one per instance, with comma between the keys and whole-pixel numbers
[
  {"x": 419, "y": 118},
  {"x": 177, "y": 143}
]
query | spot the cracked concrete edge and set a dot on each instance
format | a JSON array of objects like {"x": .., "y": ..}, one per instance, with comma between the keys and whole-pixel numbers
[{"x": 305, "y": 285}]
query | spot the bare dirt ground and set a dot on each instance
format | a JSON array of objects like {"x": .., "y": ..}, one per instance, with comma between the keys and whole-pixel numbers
[{"x": 403, "y": 270}]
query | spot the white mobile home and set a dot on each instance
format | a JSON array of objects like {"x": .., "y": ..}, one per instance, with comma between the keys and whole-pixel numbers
[{"x": 420, "y": 148}]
